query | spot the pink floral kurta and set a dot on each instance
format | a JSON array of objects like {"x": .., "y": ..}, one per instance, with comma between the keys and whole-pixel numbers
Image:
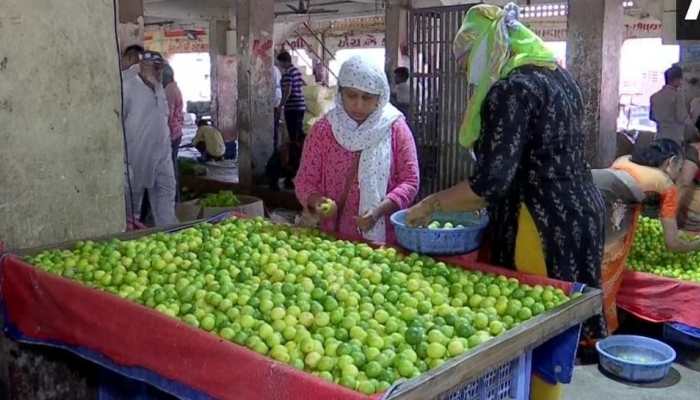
[{"x": 326, "y": 166}]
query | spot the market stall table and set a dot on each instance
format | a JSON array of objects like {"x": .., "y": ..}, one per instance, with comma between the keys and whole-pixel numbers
[
  {"x": 149, "y": 346},
  {"x": 659, "y": 299}
]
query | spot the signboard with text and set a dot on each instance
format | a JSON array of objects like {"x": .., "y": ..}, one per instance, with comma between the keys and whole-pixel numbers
[
  {"x": 555, "y": 30},
  {"x": 177, "y": 40},
  {"x": 346, "y": 40}
]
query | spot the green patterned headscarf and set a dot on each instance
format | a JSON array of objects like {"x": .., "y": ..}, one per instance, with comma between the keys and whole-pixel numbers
[{"x": 493, "y": 43}]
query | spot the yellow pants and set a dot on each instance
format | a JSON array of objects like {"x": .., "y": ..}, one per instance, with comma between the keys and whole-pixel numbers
[{"x": 529, "y": 258}]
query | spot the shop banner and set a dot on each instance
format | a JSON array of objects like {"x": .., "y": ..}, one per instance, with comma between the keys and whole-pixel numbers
[
  {"x": 555, "y": 30},
  {"x": 345, "y": 40},
  {"x": 177, "y": 40}
]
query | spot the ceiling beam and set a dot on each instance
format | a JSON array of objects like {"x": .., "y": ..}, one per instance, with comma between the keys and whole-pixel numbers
[{"x": 187, "y": 10}]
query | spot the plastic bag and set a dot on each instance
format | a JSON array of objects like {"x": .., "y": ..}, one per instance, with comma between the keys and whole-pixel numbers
[
  {"x": 307, "y": 220},
  {"x": 309, "y": 122}
]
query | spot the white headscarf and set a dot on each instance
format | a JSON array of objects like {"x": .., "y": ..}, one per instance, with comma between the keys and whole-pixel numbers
[{"x": 372, "y": 138}]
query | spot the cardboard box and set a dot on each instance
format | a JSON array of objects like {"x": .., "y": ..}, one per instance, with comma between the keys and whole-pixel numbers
[
  {"x": 250, "y": 206},
  {"x": 188, "y": 210}
]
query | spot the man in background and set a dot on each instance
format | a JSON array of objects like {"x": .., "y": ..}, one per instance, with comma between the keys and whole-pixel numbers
[
  {"x": 131, "y": 58},
  {"x": 669, "y": 108},
  {"x": 149, "y": 156},
  {"x": 695, "y": 106},
  {"x": 294, "y": 110},
  {"x": 209, "y": 142},
  {"x": 402, "y": 90},
  {"x": 292, "y": 97},
  {"x": 176, "y": 117}
]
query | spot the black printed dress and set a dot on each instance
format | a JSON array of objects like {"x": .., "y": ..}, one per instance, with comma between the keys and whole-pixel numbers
[{"x": 530, "y": 156}]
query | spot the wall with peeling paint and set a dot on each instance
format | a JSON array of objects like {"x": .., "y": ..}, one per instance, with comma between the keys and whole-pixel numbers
[
  {"x": 254, "y": 26},
  {"x": 61, "y": 157},
  {"x": 594, "y": 40}
]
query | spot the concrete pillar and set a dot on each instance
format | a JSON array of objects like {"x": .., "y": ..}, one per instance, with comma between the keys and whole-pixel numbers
[
  {"x": 595, "y": 32},
  {"x": 254, "y": 27},
  {"x": 62, "y": 173},
  {"x": 223, "y": 79},
  {"x": 130, "y": 29},
  {"x": 690, "y": 62},
  {"x": 130, "y": 10},
  {"x": 61, "y": 157},
  {"x": 396, "y": 33}
]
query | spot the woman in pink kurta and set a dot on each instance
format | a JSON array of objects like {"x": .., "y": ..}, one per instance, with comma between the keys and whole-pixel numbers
[{"x": 364, "y": 141}]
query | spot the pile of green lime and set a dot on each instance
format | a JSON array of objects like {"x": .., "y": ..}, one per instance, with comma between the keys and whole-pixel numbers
[
  {"x": 343, "y": 311},
  {"x": 224, "y": 198},
  {"x": 444, "y": 225},
  {"x": 649, "y": 253}
]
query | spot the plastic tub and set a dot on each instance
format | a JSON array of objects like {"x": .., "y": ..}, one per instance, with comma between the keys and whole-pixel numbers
[
  {"x": 635, "y": 358},
  {"x": 682, "y": 334},
  {"x": 442, "y": 242}
]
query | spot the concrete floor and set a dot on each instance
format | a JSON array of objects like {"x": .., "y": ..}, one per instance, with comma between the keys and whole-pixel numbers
[{"x": 682, "y": 382}]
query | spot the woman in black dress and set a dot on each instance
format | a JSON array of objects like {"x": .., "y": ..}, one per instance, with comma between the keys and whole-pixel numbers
[{"x": 524, "y": 125}]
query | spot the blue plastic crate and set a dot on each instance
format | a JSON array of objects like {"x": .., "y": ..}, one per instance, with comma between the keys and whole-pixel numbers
[
  {"x": 442, "y": 242},
  {"x": 508, "y": 381},
  {"x": 682, "y": 334}
]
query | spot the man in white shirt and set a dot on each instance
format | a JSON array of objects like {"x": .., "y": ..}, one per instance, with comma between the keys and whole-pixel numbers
[
  {"x": 277, "y": 80},
  {"x": 669, "y": 109},
  {"x": 695, "y": 111},
  {"x": 149, "y": 166}
]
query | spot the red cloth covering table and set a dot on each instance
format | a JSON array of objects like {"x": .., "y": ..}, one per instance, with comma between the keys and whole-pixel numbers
[{"x": 659, "y": 299}]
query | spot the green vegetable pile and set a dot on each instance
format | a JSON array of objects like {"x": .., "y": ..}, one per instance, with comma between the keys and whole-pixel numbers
[
  {"x": 649, "y": 254},
  {"x": 346, "y": 312},
  {"x": 190, "y": 167},
  {"x": 224, "y": 198}
]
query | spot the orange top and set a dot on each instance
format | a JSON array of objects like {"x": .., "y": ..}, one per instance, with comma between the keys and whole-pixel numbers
[{"x": 652, "y": 180}]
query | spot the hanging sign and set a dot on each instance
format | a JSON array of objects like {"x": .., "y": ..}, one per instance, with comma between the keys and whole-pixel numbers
[
  {"x": 555, "y": 30},
  {"x": 170, "y": 40}
]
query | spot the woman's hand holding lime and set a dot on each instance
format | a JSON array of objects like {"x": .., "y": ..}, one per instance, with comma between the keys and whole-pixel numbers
[
  {"x": 366, "y": 222},
  {"x": 326, "y": 207}
]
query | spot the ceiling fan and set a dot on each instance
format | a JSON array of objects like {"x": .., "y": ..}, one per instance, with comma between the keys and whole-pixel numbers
[{"x": 304, "y": 8}]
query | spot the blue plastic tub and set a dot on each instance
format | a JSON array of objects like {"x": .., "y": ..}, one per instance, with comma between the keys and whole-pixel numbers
[
  {"x": 635, "y": 358},
  {"x": 682, "y": 334},
  {"x": 442, "y": 242}
]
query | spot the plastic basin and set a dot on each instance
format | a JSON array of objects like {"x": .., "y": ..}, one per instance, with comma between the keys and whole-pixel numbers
[
  {"x": 635, "y": 358},
  {"x": 442, "y": 242},
  {"x": 682, "y": 334}
]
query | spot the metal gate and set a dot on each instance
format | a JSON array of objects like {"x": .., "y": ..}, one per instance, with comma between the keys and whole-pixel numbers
[{"x": 438, "y": 96}]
